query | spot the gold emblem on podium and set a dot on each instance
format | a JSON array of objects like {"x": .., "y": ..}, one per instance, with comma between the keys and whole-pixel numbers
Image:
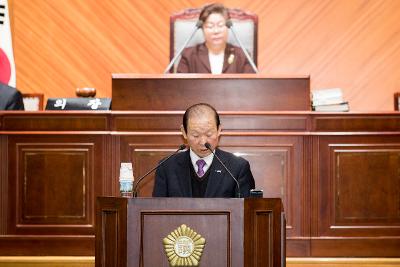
[{"x": 184, "y": 247}]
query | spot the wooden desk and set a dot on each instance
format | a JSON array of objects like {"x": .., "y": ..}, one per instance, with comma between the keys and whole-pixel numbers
[
  {"x": 337, "y": 174},
  {"x": 245, "y": 92}
]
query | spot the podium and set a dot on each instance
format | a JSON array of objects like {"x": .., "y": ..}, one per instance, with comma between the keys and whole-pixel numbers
[
  {"x": 228, "y": 92},
  {"x": 237, "y": 232}
]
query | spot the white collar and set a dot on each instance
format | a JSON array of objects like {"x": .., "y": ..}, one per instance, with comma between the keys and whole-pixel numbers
[{"x": 194, "y": 158}]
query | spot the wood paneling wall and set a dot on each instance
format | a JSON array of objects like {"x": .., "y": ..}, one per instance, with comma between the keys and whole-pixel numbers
[
  {"x": 339, "y": 186},
  {"x": 65, "y": 44}
]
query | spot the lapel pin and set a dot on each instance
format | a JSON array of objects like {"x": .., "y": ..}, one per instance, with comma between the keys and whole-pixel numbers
[
  {"x": 231, "y": 58},
  {"x": 219, "y": 171}
]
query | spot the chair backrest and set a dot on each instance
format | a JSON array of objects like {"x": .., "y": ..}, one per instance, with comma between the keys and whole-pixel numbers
[
  {"x": 33, "y": 101},
  {"x": 182, "y": 24}
]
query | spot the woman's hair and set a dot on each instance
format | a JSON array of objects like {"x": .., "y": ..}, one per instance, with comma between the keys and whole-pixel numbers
[{"x": 211, "y": 9}]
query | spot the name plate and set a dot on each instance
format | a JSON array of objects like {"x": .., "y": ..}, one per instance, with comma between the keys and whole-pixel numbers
[{"x": 78, "y": 103}]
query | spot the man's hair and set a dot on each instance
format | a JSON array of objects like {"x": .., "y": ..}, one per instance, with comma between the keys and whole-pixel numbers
[
  {"x": 211, "y": 9},
  {"x": 198, "y": 110}
]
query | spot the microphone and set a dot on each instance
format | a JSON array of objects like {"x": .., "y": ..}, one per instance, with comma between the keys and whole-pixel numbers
[
  {"x": 135, "y": 188},
  {"x": 229, "y": 24},
  {"x": 208, "y": 146},
  {"x": 198, "y": 25}
]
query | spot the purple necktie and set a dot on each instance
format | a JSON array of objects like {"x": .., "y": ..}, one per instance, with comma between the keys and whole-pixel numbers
[{"x": 200, "y": 163}]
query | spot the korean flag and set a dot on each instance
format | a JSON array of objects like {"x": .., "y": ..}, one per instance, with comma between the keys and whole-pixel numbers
[{"x": 7, "y": 65}]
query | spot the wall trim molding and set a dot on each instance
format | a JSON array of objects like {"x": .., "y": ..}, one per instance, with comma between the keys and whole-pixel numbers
[
  {"x": 46, "y": 261},
  {"x": 63, "y": 261},
  {"x": 339, "y": 262}
]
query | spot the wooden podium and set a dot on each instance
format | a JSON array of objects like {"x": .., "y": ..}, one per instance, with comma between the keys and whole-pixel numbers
[
  {"x": 237, "y": 232},
  {"x": 228, "y": 92}
]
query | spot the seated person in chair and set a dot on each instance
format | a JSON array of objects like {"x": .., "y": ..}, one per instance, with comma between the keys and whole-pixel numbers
[
  {"x": 215, "y": 56},
  {"x": 197, "y": 172}
]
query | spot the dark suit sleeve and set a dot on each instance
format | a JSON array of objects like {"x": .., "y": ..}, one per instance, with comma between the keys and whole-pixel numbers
[
  {"x": 10, "y": 98},
  {"x": 246, "y": 180},
  {"x": 16, "y": 102},
  {"x": 160, "y": 188}
]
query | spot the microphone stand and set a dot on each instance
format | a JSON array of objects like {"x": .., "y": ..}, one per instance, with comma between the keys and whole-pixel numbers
[
  {"x": 208, "y": 146},
  {"x": 135, "y": 188},
  {"x": 229, "y": 24},
  {"x": 198, "y": 25}
]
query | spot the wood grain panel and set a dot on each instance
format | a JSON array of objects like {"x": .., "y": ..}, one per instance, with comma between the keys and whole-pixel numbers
[
  {"x": 217, "y": 251},
  {"x": 111, "y": 223},
  {"x": 230, "y": 121},
  {"x": 264, "y": 224},
  {"x": 37, "y": 245},
  {"x": 348, "y": 218},
  {"x": 367, "y": 185},
  {"x": 356, "y": 123},
  {"x": 358, "y": 187},
  {"x": 244, "y": 92},
  {"x": 62, "y": 45},
  {"x": 148, "y": 122},
  {"x": 55, "y": 122},
  {"x": 148, "y": 223},
  {"x": 262, "y": 233},
  {"x": 60, "y": 174},
  {"x": 310, "y": 166},
  {"x": 258, "y": 123},
  {"x": 356, "y": 247},
  {"x": 110, "y": 242},
  {"x": 3, "y": 185},
  {"x": 52, "y": 183}
]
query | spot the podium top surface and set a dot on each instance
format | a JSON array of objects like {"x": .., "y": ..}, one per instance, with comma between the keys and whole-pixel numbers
[{"x": 205, "y": 76}]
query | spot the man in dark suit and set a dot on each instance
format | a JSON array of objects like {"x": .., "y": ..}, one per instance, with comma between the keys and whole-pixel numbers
[
  {"x": 196, "y": 172},
  {"x": 10, "y": 98}
]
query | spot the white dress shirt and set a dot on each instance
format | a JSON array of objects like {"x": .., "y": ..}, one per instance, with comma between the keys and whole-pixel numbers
[
  {"x": 194, "y": 158},
  {"x": 216, "y": 62}
]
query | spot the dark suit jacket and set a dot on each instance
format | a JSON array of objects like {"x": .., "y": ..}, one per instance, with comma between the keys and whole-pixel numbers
[
  {"x": 10, "y": 98},
  {"x": 173, "y": 177},
  {"x": 195, "y": 60}
]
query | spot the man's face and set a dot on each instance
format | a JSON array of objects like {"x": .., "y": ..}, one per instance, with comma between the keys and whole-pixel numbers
[{"x": 200, "y": 130}]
